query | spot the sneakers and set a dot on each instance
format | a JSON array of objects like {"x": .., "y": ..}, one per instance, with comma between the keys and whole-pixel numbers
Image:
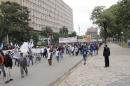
[{"x": 8, "y": 81}]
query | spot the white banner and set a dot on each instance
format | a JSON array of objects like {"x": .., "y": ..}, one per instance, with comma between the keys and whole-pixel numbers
[
  {"x": 81, "y": 40},
  {"x": 68, "y": 40}
]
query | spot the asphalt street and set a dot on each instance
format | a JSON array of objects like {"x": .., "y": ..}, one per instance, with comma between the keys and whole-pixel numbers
[{"x": 41, "y": 74}]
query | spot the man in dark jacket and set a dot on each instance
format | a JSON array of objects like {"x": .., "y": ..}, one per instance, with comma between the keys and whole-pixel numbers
[{"x": 106, "y": 54}]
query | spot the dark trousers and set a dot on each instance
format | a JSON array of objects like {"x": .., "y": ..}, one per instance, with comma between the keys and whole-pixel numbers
[
  {"x": 45, "y": 55},
  {"x": 106, "y": 61},
  {"x": 84, "y": 58},
  {"x": 30, "y": 60},
  {"x": 3, "y": 70},
  {"x": 57, "y": 57},
  {"x": 23, "y": 69}
]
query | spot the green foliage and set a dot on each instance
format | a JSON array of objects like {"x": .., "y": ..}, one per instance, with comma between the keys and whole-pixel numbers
[
  {"x": 63, "y": 32},
  {"x": 113, "y": 20},
  {"x": 3, "y": 29},
  {"x": 72, "y": 34},
  {"x": 101, "y": 19},
  {"x": 46, "y": 31},
  {"x": 56, "y": 37},
  {"x": 96, "y": 14},
  {"x": 35, "y": 37},
  {"x": 16, "y": 21}
]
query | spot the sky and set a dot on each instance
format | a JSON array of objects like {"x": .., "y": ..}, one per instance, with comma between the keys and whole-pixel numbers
[{"x": 82, "y": 10}]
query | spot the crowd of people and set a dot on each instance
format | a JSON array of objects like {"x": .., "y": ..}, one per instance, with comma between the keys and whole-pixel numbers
[{"x": 33, "y": 55}]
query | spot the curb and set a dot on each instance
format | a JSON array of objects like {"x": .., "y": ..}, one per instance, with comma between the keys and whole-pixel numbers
[{"x": 60, "y": 79}]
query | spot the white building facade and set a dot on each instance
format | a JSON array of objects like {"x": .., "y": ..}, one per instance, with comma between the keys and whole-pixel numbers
[{"x": 48, "y": 13}]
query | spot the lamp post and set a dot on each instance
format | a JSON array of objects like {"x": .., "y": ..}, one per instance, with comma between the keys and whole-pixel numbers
[
  {"x": 117, "y": 38},
  {"x": 122, "y": 37}
]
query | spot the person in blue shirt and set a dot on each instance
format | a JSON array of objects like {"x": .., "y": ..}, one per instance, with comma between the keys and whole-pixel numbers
[{"x": 85, "y": 53}]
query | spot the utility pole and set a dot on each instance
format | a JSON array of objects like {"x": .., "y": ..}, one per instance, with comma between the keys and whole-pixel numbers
[{"x": 79, "y": 29}]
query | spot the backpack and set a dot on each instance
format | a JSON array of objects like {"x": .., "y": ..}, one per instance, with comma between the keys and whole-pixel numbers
[
  {"x": 8, "y": 61},
  {"x": 1, "y": 60}
]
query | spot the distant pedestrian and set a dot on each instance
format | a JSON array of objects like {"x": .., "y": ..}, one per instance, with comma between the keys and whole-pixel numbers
[
  {"x": 42, "y": 52},
  {"x": 97, "y": 48},
  {"x": 76, "y": 51},
  {"x": 106, "y": 54},
  {"x": 23, "y": 65},
  {"x": 85, "y": 53},
  {"x": 50, "y": 55},
  {"x": 57, "y": 55},
  {"x": 30, "y": 56},
  {"x": 45, "y": 53}
]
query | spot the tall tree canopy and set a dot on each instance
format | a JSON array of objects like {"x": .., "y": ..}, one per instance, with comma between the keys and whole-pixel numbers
[
  {"x": 15, "y": 21},
  {"x": 114, "y": 20}
]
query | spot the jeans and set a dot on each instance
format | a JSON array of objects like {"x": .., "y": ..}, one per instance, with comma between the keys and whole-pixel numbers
[
  {"x": 57, "y": 58},
  {"x": 84, "y": 58},
  {"x": 3, "y": 70}
]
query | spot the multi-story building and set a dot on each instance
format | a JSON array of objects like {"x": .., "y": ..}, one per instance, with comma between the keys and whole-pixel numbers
[
  {"x": 50, "y": 13},
  {"x": 93, "y": 32}
]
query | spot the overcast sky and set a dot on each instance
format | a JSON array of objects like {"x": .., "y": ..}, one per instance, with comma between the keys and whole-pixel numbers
[{"x": 82, "y": 10}]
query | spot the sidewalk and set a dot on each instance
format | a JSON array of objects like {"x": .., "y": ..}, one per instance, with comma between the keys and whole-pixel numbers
[{"x": 94, "y": 73}]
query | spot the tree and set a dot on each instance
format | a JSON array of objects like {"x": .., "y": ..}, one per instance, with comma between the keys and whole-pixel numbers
[
  {"x": 100, "y": 19},
  {"x": 16, "y": 21},
  {"x": 3, "y": 29},
  {"x": 96, "y": 13},
  {"x": 105, "y": 19},
  {"x": 63, "y": 31},
  {"x": 115, "y": 19},
  {"x": 56, "y": 37},
  {"x": 73, "y": 34},
  {"x": 123, "y": 17},
  {"x": 46, "y": 31},
  {"x": 35, "y": 37}
]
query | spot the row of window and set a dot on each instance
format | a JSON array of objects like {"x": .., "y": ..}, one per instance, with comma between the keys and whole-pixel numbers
[
  {"x": 45, "y": 16},
  {"x": 52, "y": 15},
  {"x": 44, "y": 13},
  {"x": 48, "y": 21},
  {"x": 46, "y": 7}
]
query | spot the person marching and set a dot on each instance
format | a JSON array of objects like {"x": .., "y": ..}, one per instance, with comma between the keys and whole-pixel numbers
[
  {"x": 23, "y": 65},
  {"x": 85, "y": 53},
  {"x": 57, "y": 55},
  {"x": 8, "y": 64},
  {"x": 50, "y": 52}
]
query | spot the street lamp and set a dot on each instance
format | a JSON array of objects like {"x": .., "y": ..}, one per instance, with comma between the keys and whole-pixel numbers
[
  {"x": 117, "y": 38},
  {"x": 122, "y": 37}
]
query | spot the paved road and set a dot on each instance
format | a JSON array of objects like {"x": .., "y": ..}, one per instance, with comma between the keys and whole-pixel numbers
[
  {"x": 94, "y": 73},
  {"x": 41, "y": 74}
]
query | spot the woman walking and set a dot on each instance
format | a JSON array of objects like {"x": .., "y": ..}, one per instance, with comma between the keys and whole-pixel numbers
[{"x": 50, "y": 57}]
